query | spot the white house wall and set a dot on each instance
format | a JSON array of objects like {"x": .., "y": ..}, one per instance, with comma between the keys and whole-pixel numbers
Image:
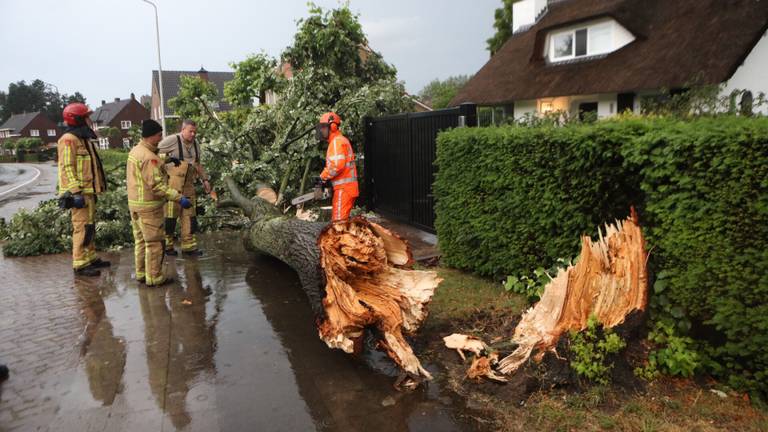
[
  {"x": 752, "y": 75},
  {"x": 525, "y": 107},
  {"x": 606, "y": 105}
]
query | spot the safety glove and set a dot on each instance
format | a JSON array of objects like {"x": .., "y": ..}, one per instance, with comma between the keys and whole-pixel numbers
[
  {"x": 185, "y": 202},
  {"x": 78, "y": 201}
]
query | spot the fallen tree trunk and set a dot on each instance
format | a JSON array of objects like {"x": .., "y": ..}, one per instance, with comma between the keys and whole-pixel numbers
[
  {"x": 354, "y": 273},
  {"x": 609, "y": 281}
]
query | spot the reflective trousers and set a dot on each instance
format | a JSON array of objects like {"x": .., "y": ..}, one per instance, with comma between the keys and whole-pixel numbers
[
  {"x": 84, "y": 233},
  {"x": 343, "y": 202},
  {"x": 148, "y": 251},
  {"x": 173, "y": 212}
]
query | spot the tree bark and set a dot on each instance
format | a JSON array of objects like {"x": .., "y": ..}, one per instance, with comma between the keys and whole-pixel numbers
[{"x": 355, "y": 274}]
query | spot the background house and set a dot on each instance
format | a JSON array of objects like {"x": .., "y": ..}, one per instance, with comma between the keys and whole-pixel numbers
[
  {"x": 605, "y": 56},
  {"x": 171, "y": 83},
  {"x": 120, "y": 114},
  {"x": 30, "y": 125}
]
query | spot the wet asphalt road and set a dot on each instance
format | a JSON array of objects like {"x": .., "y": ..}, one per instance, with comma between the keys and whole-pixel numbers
[
  {"x": 25, "y": 186},
  {"x": 230, "y": 346}
]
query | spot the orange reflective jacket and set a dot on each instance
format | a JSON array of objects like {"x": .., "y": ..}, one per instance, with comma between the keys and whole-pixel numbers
[{"x": 340, "y": 166}]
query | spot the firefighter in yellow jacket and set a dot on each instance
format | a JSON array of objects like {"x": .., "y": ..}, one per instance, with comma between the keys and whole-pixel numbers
[
  {"x": 147, "y": 193},
  {"x": 81, "y": 179},
  {"x": 182, "y": 178}
]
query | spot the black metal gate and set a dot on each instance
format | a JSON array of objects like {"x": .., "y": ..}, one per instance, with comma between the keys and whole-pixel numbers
[{"x": 399, "y": 162}]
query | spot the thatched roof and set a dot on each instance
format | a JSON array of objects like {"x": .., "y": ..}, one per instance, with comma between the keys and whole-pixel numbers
[{"x": 678, "y": 43}]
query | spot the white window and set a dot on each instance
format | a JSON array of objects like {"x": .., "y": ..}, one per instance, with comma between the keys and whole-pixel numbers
[
  {"x": 125, "y": 124},
  {"x": 34, "y": 132},
  {"x": 126, "y": 143},
  {"x": 103, "y": 142},
  {"x": 51, "y": 132},
  {"x": 562, "y": 45},
  {"x": 580, "y": 42}
]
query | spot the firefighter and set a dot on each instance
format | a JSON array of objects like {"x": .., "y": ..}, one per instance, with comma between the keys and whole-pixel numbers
[
  {"x": 147, "y": 194},
  {"x": 184, "y": 147},
  {"x": 340, "y": 167},
  {"x": 81, "y": 179}
]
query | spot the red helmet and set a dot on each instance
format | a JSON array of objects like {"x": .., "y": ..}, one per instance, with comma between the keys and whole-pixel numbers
[
  {"x": 75, "y": 113},
  {"x": 331, "y": 118}
]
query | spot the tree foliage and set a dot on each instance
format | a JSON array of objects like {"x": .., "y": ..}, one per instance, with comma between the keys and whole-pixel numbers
[
  {"x": 438, "y": 94},
  {"x": 503, "y": 25},
  {"x": 195, "y": 93},
  {"x": 329, "y": 66}
]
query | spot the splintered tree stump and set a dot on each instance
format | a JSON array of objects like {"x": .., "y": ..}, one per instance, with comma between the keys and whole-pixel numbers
[
  {"x": 354, "y": 273},
  {"x": 609, "y": 281}
]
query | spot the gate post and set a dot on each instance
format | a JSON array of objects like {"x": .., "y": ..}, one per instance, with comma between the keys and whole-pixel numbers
[
  {"x": 469, "y": 112},
  {"x": 368, "y": 182}
]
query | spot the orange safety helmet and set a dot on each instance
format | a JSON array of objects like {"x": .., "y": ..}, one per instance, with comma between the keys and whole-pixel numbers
[
  {"x": 332, "y": 120},
  {"x": 75, "y": 113}
]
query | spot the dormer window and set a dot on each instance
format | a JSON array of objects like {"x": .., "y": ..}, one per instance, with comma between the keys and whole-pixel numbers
[{"x": 585, "y": 40}]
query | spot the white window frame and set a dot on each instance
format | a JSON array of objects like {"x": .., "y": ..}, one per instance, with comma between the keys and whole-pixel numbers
[
  {"x": 34, "y": 132},
  {"x": 126, "y": 142},
  {"x": 125, "y": 124},
  {"x": 51, "y": 132},
  {"x": 572, "y": 33},
  {"x": 104, "y": 143}
]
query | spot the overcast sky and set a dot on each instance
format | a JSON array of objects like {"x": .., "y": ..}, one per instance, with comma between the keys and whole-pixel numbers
[{"x": 106, "y": 48}]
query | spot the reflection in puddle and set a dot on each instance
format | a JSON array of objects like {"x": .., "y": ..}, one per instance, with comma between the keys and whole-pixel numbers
[{"x": 231, "y": 346}]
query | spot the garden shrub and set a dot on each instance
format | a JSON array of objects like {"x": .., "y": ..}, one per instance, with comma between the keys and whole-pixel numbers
[
  {"x": 592, "y": 349},
  {"x": 511, "y": 199}
]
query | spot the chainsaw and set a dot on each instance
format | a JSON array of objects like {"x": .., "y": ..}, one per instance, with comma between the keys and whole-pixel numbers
[{"x": 321, "y": 191}]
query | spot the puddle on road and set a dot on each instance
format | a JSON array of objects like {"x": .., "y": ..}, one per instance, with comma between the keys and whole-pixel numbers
[{"x": 231, "y": 346}]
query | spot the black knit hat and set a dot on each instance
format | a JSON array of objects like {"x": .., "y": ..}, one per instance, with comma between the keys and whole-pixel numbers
[{"x": 149, "y": 128}]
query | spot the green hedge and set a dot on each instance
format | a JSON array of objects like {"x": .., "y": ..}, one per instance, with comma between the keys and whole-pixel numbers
[{"x": 512, "y": 199}]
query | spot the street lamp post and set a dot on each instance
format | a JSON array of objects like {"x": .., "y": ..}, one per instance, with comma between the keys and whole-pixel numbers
[{"x": 159, "y": 67}]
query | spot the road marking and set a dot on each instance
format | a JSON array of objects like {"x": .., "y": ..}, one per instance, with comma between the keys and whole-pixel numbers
[{"x": 4, "y": 193}]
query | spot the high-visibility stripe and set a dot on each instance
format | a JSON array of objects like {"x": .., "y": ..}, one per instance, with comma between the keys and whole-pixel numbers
[
  {"x": 338, "y": 205},
  {"x": 145, "y": 203},
  {"x": 344, "y": 181},
  {"x": 337, "y": 157}
]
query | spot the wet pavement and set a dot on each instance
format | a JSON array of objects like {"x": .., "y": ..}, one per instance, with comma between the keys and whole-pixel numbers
[
  {"x": 25, "y": 185},
  {"x": 229, "y": 347}
]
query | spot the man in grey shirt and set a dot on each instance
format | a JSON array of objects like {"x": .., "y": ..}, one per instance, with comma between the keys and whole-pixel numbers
[{"x": 184, "y": 147}]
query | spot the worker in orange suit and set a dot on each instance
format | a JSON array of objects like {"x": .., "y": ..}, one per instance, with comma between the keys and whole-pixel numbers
[{"x": 340, "y": 168}]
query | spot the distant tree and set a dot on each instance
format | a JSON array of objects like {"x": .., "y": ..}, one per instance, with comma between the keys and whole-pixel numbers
[
  {"x": 35, "y": 96},
  {"x": 503, "y": 25},
  {"x": 27, "y": 144},
  {"x": 438, "y": 94},
  {"x": 109, "y": 132}
]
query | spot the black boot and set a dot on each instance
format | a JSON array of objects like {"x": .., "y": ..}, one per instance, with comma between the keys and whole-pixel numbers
[
  {"x": 99, "y": 263},
  {"x": 4, "y": 373},
  {"x": 193, "y": 253},
  {"x": 87, "y": 271}
]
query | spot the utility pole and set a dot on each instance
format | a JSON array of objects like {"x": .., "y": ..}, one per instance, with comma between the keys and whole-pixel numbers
[{"x": 159, "y": 67}]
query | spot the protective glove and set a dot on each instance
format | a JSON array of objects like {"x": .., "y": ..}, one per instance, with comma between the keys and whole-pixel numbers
[
  {"x": 174, "y": 160},
  {"x": 185, "y": 202},
  {"x": 78, "y": 201}
]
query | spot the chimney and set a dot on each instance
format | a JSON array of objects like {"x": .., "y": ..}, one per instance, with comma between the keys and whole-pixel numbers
[
  {"x": 526, "y": 12},
  {"x": 202, "y": 73},
  {"x": 103, "y": 102},
  {"x": 133, "y": 96},
  {"x": 117, "y": 99}
]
